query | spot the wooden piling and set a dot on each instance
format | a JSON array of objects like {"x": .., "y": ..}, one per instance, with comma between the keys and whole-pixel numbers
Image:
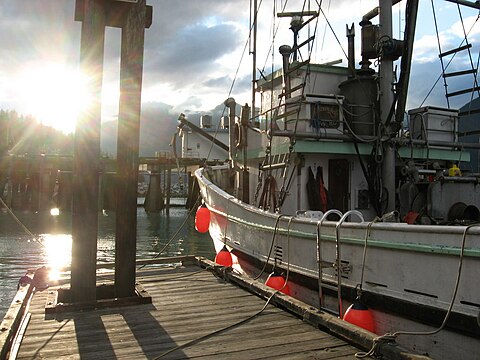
[
  {"x": 87, "y": 156},
  {"x": 193, "y": 191},
  {"x": 109, "y": 184},
  {"x": 34, "y": 189},
  {"x": 131, "y": 68},
  {"x": 169, "y": 189},
  {"x": 3, "y": 184},
  {"x": 64, "y": 191},
  {"x": 154, "y": 197}
]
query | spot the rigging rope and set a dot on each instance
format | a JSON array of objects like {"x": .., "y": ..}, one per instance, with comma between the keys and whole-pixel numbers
[
  {"x": 235, "y": 78},
  {"x": 287, "y": 181},
  {"x": 468, "y": 49},
  {"x": 444, "y": 68}
]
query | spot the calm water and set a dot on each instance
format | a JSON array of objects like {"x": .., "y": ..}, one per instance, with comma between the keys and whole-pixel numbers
[{"x": 19, "y": 253}]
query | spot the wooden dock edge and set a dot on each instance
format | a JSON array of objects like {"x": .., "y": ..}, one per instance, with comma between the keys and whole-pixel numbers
[
  {"x": 13, "y": 318},
  {"x": 10, "y": 325},
  {"x": 358, "y": 336}
]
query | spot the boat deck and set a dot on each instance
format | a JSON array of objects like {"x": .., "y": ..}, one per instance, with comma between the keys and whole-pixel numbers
[{"x": 190, "y": 307}]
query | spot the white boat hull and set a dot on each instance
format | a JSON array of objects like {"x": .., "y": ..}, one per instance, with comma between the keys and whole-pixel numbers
[{"x": 409, "y": 274}]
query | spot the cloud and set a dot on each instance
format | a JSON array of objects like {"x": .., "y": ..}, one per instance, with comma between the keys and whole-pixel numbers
[
  {"x": 426, "y": 79},
  {"x": 38, "y": 29},
  {"x": 192, "y": 103},
  {"x": 193, "y": 47},
  {"x": 468, "y": 27},
  {"x": 190, "y": 53}
]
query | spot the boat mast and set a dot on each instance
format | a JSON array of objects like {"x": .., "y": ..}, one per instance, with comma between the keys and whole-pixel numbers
[
  {"x": 386, "y": 101},
  {"x": 254, "y": 59},
  {"x": 406, "y": 63}
]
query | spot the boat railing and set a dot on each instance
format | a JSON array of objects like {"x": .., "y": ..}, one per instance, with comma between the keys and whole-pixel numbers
[
  {"x": 319, "y": 253},
  {"x": 337, "y": 263},
  {"x": 338, "y": 255}
]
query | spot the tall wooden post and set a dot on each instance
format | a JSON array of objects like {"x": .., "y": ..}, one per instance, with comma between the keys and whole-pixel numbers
[
  {"x": 87, "y": 157},
  {"x": 127, "y": 148},
  {"x": 132, "y": 18},
  {"x": 168, "y": 189}
]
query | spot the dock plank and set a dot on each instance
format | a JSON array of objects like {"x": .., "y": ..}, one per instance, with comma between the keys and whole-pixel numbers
[{"x": 183, "y": 309}]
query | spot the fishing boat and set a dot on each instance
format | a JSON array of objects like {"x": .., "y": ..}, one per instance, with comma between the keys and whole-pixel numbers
[{"x": 327, "y": 187}]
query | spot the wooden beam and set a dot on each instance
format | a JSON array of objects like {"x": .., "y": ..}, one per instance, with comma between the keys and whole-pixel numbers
[
  {"x": 116, "y": 12},
  {"x": 131, "y": 68},
  {"x": 87, "y": 158},
  {"x": 13, "y": 318}
]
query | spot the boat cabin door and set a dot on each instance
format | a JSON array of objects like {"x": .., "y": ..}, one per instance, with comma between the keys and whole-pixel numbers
[{"x": 339, "y": 184}]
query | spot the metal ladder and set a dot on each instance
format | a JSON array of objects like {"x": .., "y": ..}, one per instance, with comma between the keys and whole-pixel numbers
[
  {"x": 452, "y": 74},
  {"x": 465, "y": 46},
  {"x": 320, "y": 262},
  {"x": 336, "y": 265}
]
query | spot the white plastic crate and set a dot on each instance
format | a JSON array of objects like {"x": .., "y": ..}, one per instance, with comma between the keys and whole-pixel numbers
[{"x": 433, "y": 124}]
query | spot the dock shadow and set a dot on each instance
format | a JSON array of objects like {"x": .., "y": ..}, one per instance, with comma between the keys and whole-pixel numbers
[
  {"x": 100, "y": 338},
  {"x": 92, "y": 338},
  {"x": 152, "y": 338}
]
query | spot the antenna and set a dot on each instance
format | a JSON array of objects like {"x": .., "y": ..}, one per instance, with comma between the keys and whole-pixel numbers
[{"x": 296, "y": 24}]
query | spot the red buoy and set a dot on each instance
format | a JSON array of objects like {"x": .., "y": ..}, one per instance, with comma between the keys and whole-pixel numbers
[
  {"x": 358, "y": 314},
  {"x": 224, "y": 257},
  {"x": 202, "y": 219},
  {"x": 277, "y": 282}
]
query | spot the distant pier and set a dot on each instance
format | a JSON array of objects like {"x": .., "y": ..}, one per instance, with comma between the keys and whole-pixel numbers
[{"x": 42, "y": 182}]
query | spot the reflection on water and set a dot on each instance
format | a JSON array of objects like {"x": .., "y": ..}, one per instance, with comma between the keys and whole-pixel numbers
[
  {"x": 18, "y": 252},
  {"x": 58, "y": 251}
]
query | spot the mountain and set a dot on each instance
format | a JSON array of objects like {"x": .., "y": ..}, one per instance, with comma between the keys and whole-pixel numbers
[{"x": 158, "y": 123}]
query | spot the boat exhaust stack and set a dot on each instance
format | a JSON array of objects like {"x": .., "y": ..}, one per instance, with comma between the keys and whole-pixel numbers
[
  {"x": 285, "y": 51},
  {"x": 351, "y": 51},
  {"x": 232, "y": 151}
]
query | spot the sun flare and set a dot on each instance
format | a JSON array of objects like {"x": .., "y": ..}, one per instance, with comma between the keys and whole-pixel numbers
[
  {"x": 54, "y": 94},
  {"x": 58, "y": 250}
]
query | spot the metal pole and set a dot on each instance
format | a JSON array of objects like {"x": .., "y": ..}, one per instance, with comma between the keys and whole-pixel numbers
[
  {"x": 386, "y": 100},
  {"x": 232, "y": 154},
  {"x": 254, "y": 60},
  {"x": 406, "y": 63}
]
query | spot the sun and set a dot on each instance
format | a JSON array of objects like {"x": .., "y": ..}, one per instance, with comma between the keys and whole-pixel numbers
[{"x": 54, "y": 94}]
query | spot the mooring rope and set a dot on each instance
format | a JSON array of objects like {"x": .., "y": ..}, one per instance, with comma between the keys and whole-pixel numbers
[
  {"x": 387, "y": 337},
  {"x": 277, "y": 220},
  {"x": 251, "y": 317},
  {"x": 19, "y": 222},
  {"x": 176, "y": 232},
  {"x": 288, "y": 253},
  {"x": 219, "y": 331}
]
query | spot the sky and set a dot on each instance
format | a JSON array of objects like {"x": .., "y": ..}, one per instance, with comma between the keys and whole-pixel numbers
[{"x": 193, "y": 53}]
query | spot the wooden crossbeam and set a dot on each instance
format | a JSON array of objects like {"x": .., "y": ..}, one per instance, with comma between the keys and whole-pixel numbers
[
  {"x": 459, "y": 73},
  {"x": 297, "y": 66},
  {"x": 115, "y": 13},
  {"x": 453, "y": 51},
  {"x": 466, "y": 91},
  {"x": 292, "y": 90}
]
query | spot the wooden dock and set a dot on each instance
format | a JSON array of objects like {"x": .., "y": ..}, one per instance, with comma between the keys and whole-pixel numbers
[{"x": 193, "y": 314}]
